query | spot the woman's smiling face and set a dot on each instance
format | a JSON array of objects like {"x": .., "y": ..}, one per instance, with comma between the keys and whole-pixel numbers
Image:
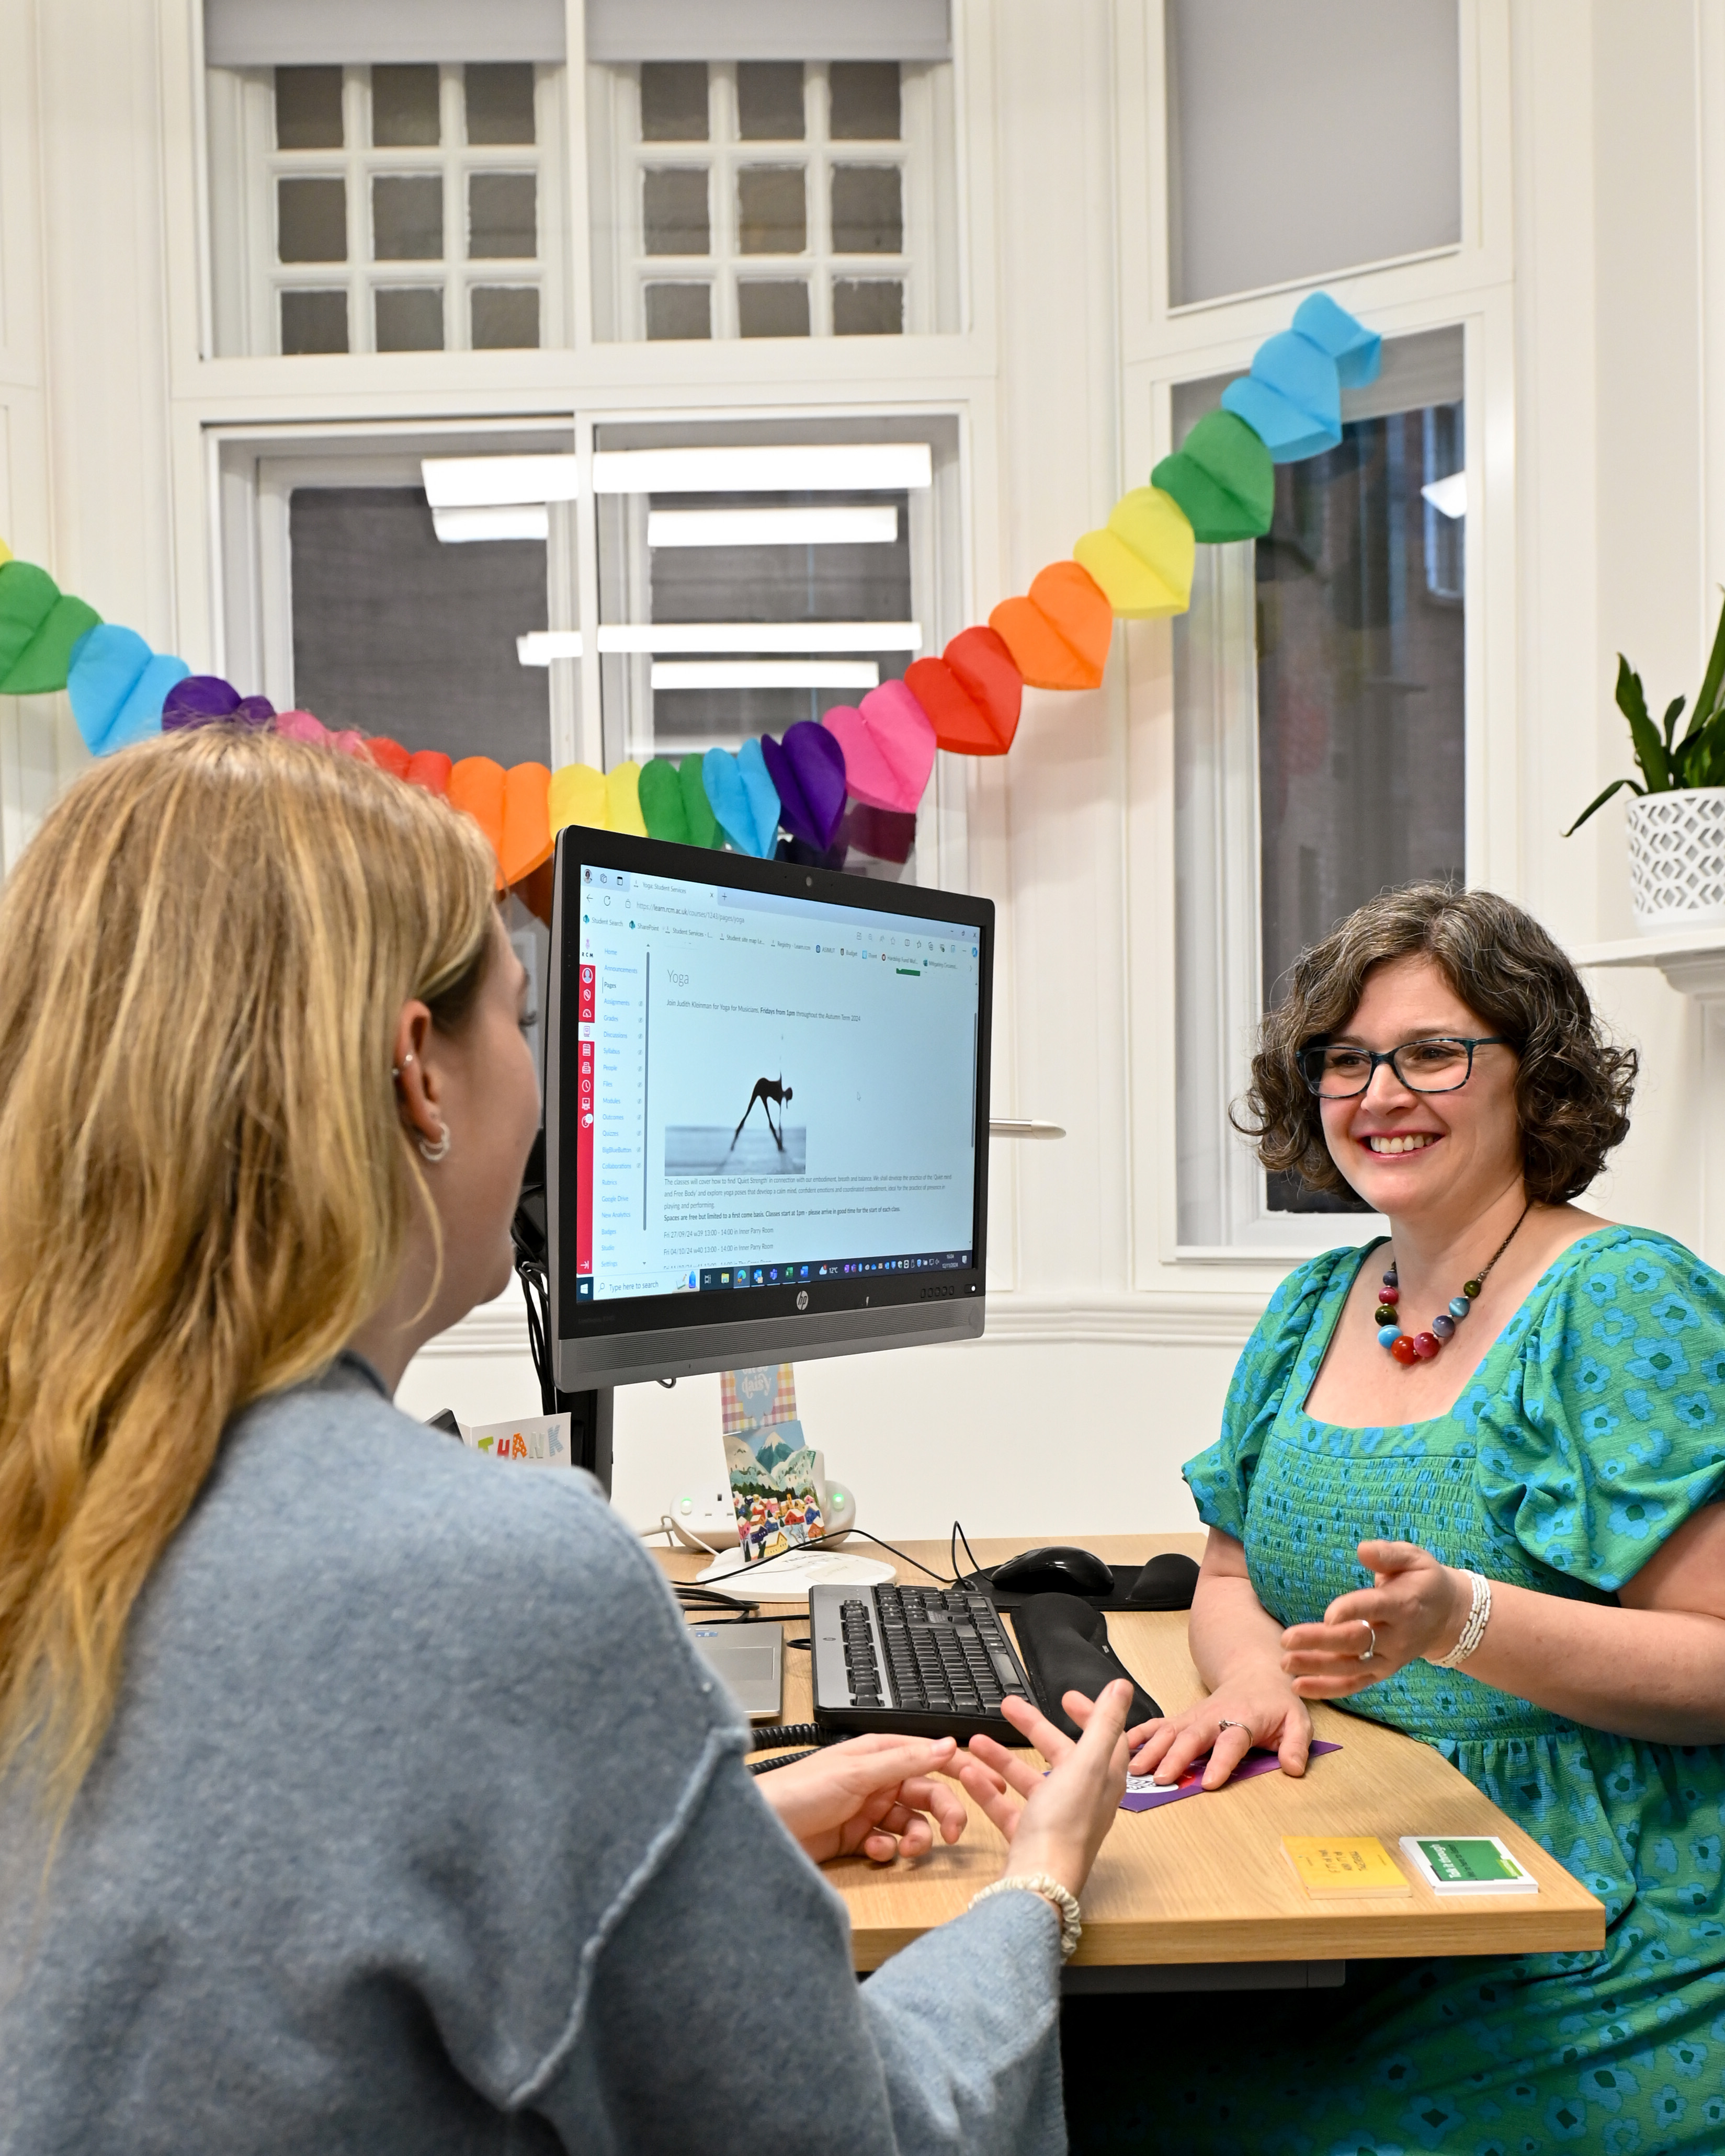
[{"x": 1407, "y": 1154}]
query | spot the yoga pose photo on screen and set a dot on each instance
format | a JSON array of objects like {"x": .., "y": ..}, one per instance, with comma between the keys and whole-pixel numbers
[{"x": 767, "y": 1090}]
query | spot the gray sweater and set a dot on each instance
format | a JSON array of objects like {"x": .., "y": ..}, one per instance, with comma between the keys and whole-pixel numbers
[{"x": 420, "y": 1827}]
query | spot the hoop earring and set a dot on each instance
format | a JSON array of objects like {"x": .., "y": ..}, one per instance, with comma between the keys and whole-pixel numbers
[{"x": 439, "y": 1152}]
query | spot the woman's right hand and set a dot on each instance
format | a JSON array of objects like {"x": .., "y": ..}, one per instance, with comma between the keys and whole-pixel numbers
[
  {"x": 1261, "y": 1708},
  {"x": 1065, "y": 1814}
]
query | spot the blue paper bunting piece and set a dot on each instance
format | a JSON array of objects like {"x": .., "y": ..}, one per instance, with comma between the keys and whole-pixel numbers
[
  {"x": 1291, "y": 400},
  {"x": 117, "y": 685},
  {"x": 1357, "y": 350},
  {"x": 743, "y": 797}
]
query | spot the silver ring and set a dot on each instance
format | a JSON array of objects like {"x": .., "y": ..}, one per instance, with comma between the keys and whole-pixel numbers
[
  {"x": 1225, "y": 1724},
  {"x": 1370, "y": 1645}
]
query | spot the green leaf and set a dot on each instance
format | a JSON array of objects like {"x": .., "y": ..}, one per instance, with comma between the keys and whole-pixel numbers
[
  {"x": 1599, "y": 801},
  {"x": 1699, "y": 759},
  {"x": 1713, "y": 679},
  {"x": 1650, "y": 754},
  {"x": 1631, "y": 701},
  {"x": 1672, "y": 712}
]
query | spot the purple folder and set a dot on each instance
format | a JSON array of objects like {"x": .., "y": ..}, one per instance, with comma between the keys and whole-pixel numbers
[{"x": 1191, "y": 1782}]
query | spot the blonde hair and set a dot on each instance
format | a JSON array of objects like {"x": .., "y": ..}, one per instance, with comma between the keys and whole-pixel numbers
[{"x": 204, "y": 957}]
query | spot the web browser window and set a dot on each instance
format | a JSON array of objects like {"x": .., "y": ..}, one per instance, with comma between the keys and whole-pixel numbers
[{"x": 771, "y": 1090}]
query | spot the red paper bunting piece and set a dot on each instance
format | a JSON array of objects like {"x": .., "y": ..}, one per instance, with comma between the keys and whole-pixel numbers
[
  {"x": 429, "y": 768},
  {"x": 388, "y": 755}
]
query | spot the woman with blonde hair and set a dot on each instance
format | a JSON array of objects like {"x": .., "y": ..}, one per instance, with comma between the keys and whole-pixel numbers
[{"x": 359, "y": 1795}]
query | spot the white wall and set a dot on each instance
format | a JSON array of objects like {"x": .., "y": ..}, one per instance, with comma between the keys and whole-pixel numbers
[{"x": 1597, "y": 278}]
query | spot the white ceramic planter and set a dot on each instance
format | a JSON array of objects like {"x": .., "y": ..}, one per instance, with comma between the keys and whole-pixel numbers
[{"x": 1676, "y": 859}]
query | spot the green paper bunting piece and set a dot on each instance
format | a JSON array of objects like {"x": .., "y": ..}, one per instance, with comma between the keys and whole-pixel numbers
[
  {"x": 661, "y": 797},
  {"x": 27, "y": 598},
  {"x": 697, "y": 810},
  {"x": 42, "y": 665},
  {"x": 1222, "y": 477}
]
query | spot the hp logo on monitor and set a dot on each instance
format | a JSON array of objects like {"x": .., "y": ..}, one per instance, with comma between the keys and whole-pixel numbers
[{"x": 802, "y": 1298}]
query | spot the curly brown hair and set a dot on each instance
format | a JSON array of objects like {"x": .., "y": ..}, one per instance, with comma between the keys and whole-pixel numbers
[{"x": 1573, "y": 1085}]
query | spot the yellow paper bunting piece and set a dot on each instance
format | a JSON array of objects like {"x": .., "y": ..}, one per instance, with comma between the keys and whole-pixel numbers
[
  {"x": 577, "y": 796},
  {"x": 623, "y": 800}
]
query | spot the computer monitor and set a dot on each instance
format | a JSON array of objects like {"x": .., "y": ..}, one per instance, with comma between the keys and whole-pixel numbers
[{"x": 767, "y": 1111}]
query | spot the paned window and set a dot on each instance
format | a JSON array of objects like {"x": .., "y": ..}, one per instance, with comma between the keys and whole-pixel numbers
[
  {"x": 771, "y": 198},
  {"x": 1320, "y": 745},
  {"x": 737, "y": 603},
  {"x": 408, "y": 207}
]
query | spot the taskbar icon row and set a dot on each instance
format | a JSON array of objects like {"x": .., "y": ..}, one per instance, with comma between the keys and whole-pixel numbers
[{"x": 923, "y": 1261}]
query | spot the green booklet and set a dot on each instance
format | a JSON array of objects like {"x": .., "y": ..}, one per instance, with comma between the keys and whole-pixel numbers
[{"x": 1468, "y": 1864}]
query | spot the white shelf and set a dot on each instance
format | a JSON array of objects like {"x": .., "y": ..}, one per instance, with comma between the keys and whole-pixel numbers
[{"x": 1691, "y": 959}]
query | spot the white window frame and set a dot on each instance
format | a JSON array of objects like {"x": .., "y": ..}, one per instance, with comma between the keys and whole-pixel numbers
[
  {"x": 245, "y": 164},
  {"x": 254, "y": 471},
  {"x": 1468, "y": 285},
  {"x": 923, "y": 155}
]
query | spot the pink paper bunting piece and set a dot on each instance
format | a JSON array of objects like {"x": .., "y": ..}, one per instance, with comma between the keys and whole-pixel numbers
[{"x": 889, "y": 748}]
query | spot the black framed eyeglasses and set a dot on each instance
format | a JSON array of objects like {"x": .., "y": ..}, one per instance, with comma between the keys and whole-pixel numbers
[{"x": 1337, "y": 1072}]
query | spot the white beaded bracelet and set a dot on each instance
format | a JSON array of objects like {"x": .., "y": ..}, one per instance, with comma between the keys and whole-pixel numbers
[
  {"x": 1064, "y": 1904},
  {"x": 1479, "y": 1616}
]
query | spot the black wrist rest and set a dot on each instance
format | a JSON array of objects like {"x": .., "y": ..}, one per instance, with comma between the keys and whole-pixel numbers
[{"x": 1063, "y": 1643}]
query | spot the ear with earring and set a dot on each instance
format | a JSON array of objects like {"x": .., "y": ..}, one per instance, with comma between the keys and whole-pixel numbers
[{"x": 434, "y": 1153}]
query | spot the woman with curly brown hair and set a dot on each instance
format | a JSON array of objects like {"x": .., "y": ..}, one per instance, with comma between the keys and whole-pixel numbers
[{"x": 1467, "y": 1486}]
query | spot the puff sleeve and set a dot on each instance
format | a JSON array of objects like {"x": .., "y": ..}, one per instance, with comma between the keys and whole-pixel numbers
[
  {"x": 1220, "y": 1478},
  {"x": 1615, "y": 1433}
]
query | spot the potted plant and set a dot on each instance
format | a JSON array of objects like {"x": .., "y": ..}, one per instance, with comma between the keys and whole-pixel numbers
[{"x": 1677, "y": 827}]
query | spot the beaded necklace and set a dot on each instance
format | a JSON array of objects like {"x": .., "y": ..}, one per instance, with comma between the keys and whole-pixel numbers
[{"x": 1421, "y": 1347}]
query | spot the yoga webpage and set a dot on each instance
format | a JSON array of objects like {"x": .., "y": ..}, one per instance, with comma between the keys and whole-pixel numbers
[{"x": 768, "y": 1089}]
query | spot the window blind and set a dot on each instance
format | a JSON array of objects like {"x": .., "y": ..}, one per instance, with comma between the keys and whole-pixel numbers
[
  {"x": 622, "y": 31},
  {"x": 243, "y": 33}
]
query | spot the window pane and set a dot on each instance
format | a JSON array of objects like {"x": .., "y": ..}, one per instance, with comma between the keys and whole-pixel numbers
[
  {"x": 770, "y": 309},
  {"x": 868, "y": 306},
  {"x": 397, "y": 635},
  {"x": 769, "y": 101},
  {"x": 673, "y": 211},
  {"x": 410, "y": 318},
  {"x": 868, "y": 212},
  {"x": 408, "y": 218},
  {"x": 1308, "y": 140},
  {"x": 502, "y": 216},
  {"x": 772, "y": 218},
  {"x": 505, "y": 317},
  {"x": 404, "y": 110},
  {"x": 313, "y": 321},
  {"x": 1361, "y": 705},
  {"x": 674, "y": 101},
  {"x": 865, "y": 101},
  {"x": 311, "y": 220},
  {"x": 679, "y": 310},
  {"x": 500, "y": 101},
  {"x": 308, "y": 108}
]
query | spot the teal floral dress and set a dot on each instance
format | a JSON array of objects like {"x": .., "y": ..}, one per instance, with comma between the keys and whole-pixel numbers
[{"x": 1594, "y": 1427}]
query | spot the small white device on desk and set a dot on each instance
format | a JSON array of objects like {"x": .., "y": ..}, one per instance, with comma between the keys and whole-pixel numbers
[
  {"x": 788, "y": 1578},
  {"x": 706, "y": 1518}
]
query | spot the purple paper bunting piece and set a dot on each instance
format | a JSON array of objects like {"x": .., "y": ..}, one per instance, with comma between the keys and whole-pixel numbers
[
  {"x": 807, "y": 767},
  {"x": 197, "y": 701}
]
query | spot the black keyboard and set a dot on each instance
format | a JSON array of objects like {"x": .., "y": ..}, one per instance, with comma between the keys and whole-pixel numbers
[{"x": 925, "y": 1661}]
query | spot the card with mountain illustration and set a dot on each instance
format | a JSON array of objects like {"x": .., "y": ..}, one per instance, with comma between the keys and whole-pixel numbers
[{"x": 772, "y": 1469}]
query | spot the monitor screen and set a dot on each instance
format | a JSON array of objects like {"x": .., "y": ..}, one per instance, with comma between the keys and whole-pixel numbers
[{"x": 767, "y": 1110}]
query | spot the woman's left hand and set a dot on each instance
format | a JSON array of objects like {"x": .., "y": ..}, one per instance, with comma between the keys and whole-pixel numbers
[
  {"x": 879, "y": 1795},
  {"x": 1414, "y": 1607}
]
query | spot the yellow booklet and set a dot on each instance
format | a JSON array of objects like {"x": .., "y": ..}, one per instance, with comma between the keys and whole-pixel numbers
[{"x": 1332, "y": 1865}]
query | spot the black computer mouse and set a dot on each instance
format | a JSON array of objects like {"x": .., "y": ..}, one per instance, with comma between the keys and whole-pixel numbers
[{"x": 1057, "y": 1569}]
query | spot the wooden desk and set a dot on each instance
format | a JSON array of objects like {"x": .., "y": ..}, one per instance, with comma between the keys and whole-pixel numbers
[{"x": 1204, "y": 1881}]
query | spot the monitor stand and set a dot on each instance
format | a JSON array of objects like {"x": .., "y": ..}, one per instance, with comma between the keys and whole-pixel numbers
[{"x": 590, "y": 1422}]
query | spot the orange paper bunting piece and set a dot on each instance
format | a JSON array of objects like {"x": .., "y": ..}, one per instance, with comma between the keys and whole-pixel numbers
[
  {"x": 972, "y": 693},
  {"x": 1058, "y": 638},
  {"x": 476, "y": 785},
  {"x": 527, "y": 820}
]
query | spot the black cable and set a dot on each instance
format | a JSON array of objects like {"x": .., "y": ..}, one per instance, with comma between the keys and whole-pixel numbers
[
  {"x": 783, "y": 1759},
  {"x": 817, "y": 1541},
  {"x": 774, "y": 1736},
  {"x": 959, "y": 1535}
]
